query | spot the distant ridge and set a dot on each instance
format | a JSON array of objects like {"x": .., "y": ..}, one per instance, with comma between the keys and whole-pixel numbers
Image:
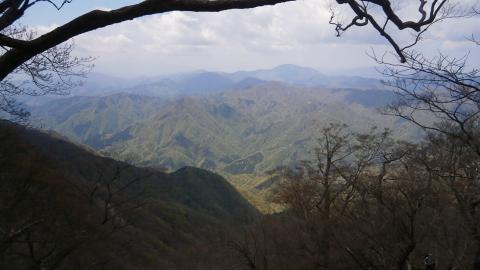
[{"x": 201, "y": 83}]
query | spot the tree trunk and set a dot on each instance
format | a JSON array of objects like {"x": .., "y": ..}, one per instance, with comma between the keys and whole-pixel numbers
[
  {"x": 403, "y": 263},
  {"x": 327, "y": 228}
]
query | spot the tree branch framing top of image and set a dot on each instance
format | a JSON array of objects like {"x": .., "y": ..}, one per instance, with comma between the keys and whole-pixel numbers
[{"x": 50, "y": 66}]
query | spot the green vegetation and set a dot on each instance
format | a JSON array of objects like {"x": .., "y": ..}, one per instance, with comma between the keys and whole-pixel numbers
[
  {"x": 240, "y": 134},
  {"x": 97, "y": 121}
]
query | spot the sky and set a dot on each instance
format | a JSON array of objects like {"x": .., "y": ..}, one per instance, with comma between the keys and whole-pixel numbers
[{"x": 290, "y": 33}]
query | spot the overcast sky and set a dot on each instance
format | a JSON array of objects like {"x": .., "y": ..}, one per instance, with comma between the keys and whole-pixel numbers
[{"x": 294, "y": 33}]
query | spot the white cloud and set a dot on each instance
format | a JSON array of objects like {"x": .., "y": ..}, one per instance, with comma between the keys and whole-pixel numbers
[
  {"x": 296, "y": 32},
  {"x": 42, "y": 29},
  {"x": 97, "y": 44},
  {"x": 103, "y": 8}
]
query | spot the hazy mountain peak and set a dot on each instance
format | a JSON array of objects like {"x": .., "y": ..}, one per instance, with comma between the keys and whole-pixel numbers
[{"x": 294, "y": 68}]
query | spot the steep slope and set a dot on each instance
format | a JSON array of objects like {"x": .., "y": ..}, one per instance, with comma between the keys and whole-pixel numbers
[{"x": 84, "y": 209}]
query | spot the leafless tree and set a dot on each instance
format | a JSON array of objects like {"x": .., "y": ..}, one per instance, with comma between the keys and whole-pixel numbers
[
  {"x": 380, "y": 13},
  {"x": 53, "y": 220},
  {"x": 455, "y": 166},
  {"x": 53, "y": 71},
  {"x": 441, "y": 95},
  {"x": 366, "y": 200},
  {"x": 321, "y": 190},
  {"x": 115, "y": 187},
  {"x": 443, "y": 89}
]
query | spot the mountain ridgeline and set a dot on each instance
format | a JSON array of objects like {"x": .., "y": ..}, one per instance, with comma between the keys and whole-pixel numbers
[
  {"x": 64, "y": 204},
  {"x": 240, "y": 125}
]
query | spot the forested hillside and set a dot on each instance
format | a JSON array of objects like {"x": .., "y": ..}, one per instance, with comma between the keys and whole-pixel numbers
[
  {"x": 240, "y": 132},
  {"x": 169, "y": 134},
  {"x": 63, "y": 205}
]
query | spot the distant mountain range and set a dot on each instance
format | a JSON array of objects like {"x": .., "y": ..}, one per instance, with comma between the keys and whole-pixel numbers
[
  {"x": 204, "y": 83},
  {"x": 240, "y": 124}
]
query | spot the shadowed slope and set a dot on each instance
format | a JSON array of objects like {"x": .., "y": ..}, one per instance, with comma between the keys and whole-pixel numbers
[{"x": 86, "y": 209}]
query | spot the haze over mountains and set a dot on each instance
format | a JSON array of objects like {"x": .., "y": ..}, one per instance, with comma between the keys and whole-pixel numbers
[
  {"x": 204, "y": 82},
  {"x": 240, "y": 124}
]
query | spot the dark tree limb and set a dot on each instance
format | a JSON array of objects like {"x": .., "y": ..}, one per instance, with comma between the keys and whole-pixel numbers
[
  {"x": 13, "y": 58},
  {"x": 429, "y": 15},
  {"x": 386, "y": 6}
]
